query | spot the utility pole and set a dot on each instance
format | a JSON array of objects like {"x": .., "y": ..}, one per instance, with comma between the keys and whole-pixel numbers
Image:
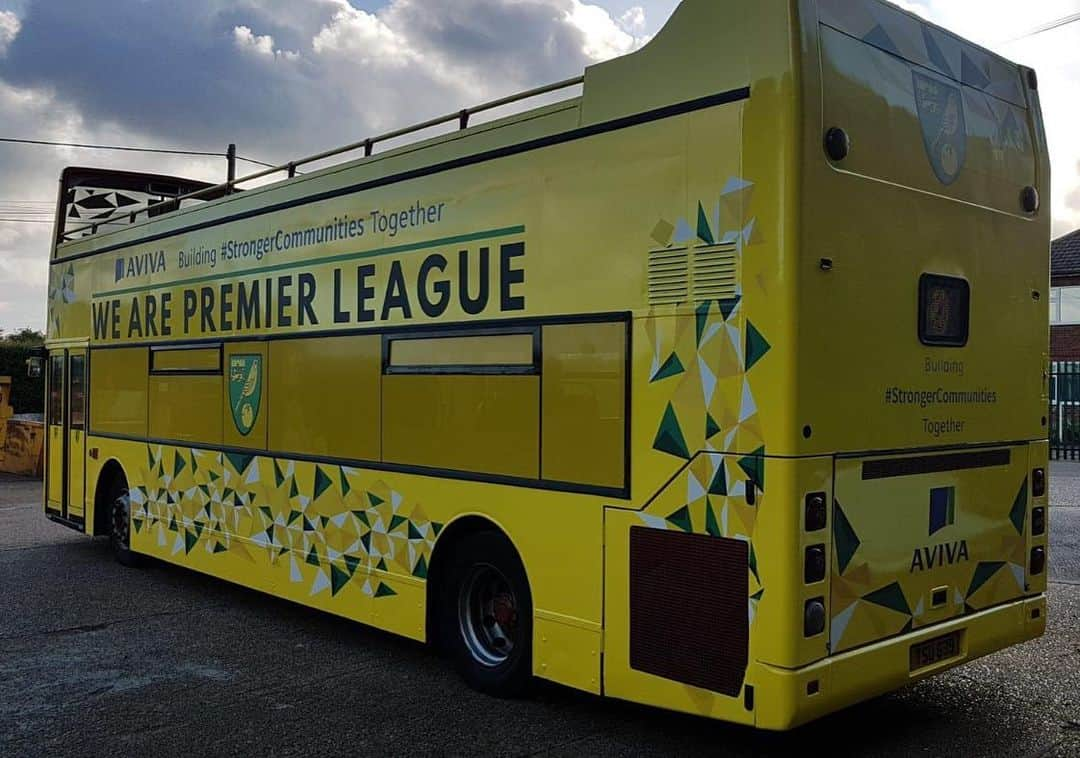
[{"x": 230, "y": 156}]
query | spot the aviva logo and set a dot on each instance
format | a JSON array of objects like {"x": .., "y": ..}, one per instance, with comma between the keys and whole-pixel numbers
[
  {"x": 140, "y": 265},
  {"x": 942, "y": 508},
  {"x": 942, "y": 515}
]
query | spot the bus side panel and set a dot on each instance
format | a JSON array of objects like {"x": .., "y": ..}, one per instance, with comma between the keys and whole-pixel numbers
[
  {"x": 358, "y": 543},
  {"x": 676, "y": 635}
]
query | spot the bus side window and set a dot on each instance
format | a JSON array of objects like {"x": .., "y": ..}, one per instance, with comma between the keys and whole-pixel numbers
[
  {"x": 56, "y": 390},
  {"x": 78, "y": 392}
]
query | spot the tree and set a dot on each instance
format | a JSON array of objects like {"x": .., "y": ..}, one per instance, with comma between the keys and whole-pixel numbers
[{"x": 25, "y": 337}]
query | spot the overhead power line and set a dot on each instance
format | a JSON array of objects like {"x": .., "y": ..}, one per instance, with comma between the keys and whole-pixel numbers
[
  {"x": 131, "y": 149},
  {"x": 257, "y": 163},
  {"x": 1047, "y": 27},
  {"x": 120, "y": 148}
]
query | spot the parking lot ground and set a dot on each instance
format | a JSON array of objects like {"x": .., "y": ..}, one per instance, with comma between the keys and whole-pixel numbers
[{"x": 96, "y": 659}]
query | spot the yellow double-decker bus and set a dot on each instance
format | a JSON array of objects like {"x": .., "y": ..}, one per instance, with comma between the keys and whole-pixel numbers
[{"x": 719, "y": 385}]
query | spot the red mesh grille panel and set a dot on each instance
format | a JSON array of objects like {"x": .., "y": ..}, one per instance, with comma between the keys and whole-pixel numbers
[{"x": 689, "y": 614}]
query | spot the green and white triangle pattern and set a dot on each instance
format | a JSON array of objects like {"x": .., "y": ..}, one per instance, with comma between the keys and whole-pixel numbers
[{"x": 332, "y": 526}]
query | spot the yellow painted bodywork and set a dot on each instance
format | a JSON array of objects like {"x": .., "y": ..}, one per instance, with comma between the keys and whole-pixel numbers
[
  {"x": 118, "y": 379},
  {"x": 184, "y": 408},
  {"x": 321, "y": 423},
  {"x": 584, "y": 404},
  {"x": 481, "y": 424},
  {"x": 679, "y": 222}
]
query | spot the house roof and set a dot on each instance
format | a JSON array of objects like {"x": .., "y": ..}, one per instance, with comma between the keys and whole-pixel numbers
[{"x": 1065, "y": 255}]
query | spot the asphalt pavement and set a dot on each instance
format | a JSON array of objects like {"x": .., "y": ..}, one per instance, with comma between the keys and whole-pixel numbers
[{"x": 96, "y": 659}]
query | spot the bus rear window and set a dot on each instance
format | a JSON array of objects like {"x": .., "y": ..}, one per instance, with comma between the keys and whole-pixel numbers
[
  {"x": 922, "y": 125},
  {"x": 944, "y": 311}
]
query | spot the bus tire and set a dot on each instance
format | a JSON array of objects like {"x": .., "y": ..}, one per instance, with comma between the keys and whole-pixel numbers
[
  {"x": 120, "y": 524},
  {"x": 487, "y": 621}
]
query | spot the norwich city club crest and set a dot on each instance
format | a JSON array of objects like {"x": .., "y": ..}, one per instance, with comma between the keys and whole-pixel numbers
[
  {"x": 941, "y": 113},
  {"x": 245, "y": 390}
]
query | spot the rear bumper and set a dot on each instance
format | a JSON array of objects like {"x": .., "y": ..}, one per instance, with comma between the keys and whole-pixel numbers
[{"x": 858, "y": 675}]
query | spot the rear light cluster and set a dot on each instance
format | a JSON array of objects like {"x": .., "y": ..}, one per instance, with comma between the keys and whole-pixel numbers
[
  {"x": 814, "y": 617},
  {"x": 814, "y": 569},
  {"x": 1038, "y": 482},
  {"x": 1038, "y": 522},
  {"x": 1038, "y": 560},
  {"x": 816, "y": 518}
]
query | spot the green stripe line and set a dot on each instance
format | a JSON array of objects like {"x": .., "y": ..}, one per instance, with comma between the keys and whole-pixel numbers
[{"x": 474, "y": 237}]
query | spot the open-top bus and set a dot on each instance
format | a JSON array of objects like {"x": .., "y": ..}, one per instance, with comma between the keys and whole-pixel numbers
[{"x": 719, "y": 385}]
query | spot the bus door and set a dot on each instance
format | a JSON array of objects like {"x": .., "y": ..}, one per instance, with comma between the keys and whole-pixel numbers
[{"x": 66, "y": 463}]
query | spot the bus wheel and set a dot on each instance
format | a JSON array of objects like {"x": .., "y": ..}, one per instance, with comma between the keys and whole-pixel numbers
[
  {"x": 487, "y": 616},
  {"x": 120, "y": 525}
]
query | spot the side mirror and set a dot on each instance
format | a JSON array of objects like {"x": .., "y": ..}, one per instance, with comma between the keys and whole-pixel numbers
[{"x": 35, "y": 367}]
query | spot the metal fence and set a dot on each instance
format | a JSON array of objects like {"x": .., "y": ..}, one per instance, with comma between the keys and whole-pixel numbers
[{"x": 1065, "y": 411}]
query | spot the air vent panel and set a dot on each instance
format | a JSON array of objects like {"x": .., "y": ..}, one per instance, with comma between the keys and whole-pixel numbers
[
  {"x": 716, "y": 273},
  {"x": 669, "y": 276}
]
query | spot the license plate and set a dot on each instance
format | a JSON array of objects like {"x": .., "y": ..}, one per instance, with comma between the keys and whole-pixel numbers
[{"x": 934, "y": 651}]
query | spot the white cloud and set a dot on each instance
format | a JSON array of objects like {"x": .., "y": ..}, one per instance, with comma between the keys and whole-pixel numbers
[
  {"x": 364, "y": 37},
  {"x": 9, "y": 29},
  {"x": 633, "y": 21},
  {"x": 260, "y": 44},
  {"x": 604, "y": 37}
]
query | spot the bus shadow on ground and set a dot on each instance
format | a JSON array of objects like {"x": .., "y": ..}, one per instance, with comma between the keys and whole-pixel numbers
[{"x": 929, "y": 713}]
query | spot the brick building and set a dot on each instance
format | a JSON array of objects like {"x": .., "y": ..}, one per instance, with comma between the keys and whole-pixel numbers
[{"x": 1065, "y": 298}]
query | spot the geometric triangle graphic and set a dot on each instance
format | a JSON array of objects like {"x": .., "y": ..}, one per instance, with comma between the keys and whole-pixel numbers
[
  {"x": 878, "y": 37},
  {"x": 681, "y": 519},
  {"x": 322, "y": 482},
  {"x": 704, "y": 233},
  {"x": 983, "y": 572},
  {"x": 935, "y": 54},
  {"x": 702, "y": 320},
  {"x": 754, "y": 468},
  {"x": 1018, "y": 514},
  {"x": 891, "y": 597},
  {"x": 711, "y": 527},
  {"x": 972, "y": 75},
  {"x": 756, "y": 346},
  {"x": 670, "y": 439},
  {"x": 672, "y": 367},
  {"x": 711, "y": 427},
  {"x": 719, "y": 483},
  {"x": 847, "y": 541}
]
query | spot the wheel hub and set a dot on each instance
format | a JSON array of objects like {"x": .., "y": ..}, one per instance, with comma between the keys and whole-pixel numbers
[{"x": 487, "y": 615}]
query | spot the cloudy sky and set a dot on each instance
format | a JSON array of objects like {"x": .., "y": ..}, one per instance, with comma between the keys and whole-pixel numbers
[{"x": 283, "y": 78}]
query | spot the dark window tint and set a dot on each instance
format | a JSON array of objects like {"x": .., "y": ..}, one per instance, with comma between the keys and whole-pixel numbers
[
  {"x": 77, "y": 388},
  {"x": 944, "y": 310},
  {"x": 56, "y": 390}
]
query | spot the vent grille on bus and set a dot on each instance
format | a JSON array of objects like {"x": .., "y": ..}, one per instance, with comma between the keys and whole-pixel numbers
[
  {"x": 689, "y": 620},
  {"x": 715, "y": 273},
  {"x": 678, "y": 275},
  {"x": 669, "y": 276}
]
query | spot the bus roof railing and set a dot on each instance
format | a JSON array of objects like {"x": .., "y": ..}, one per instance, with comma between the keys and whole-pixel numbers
[{"x": 367, "y": 145}]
